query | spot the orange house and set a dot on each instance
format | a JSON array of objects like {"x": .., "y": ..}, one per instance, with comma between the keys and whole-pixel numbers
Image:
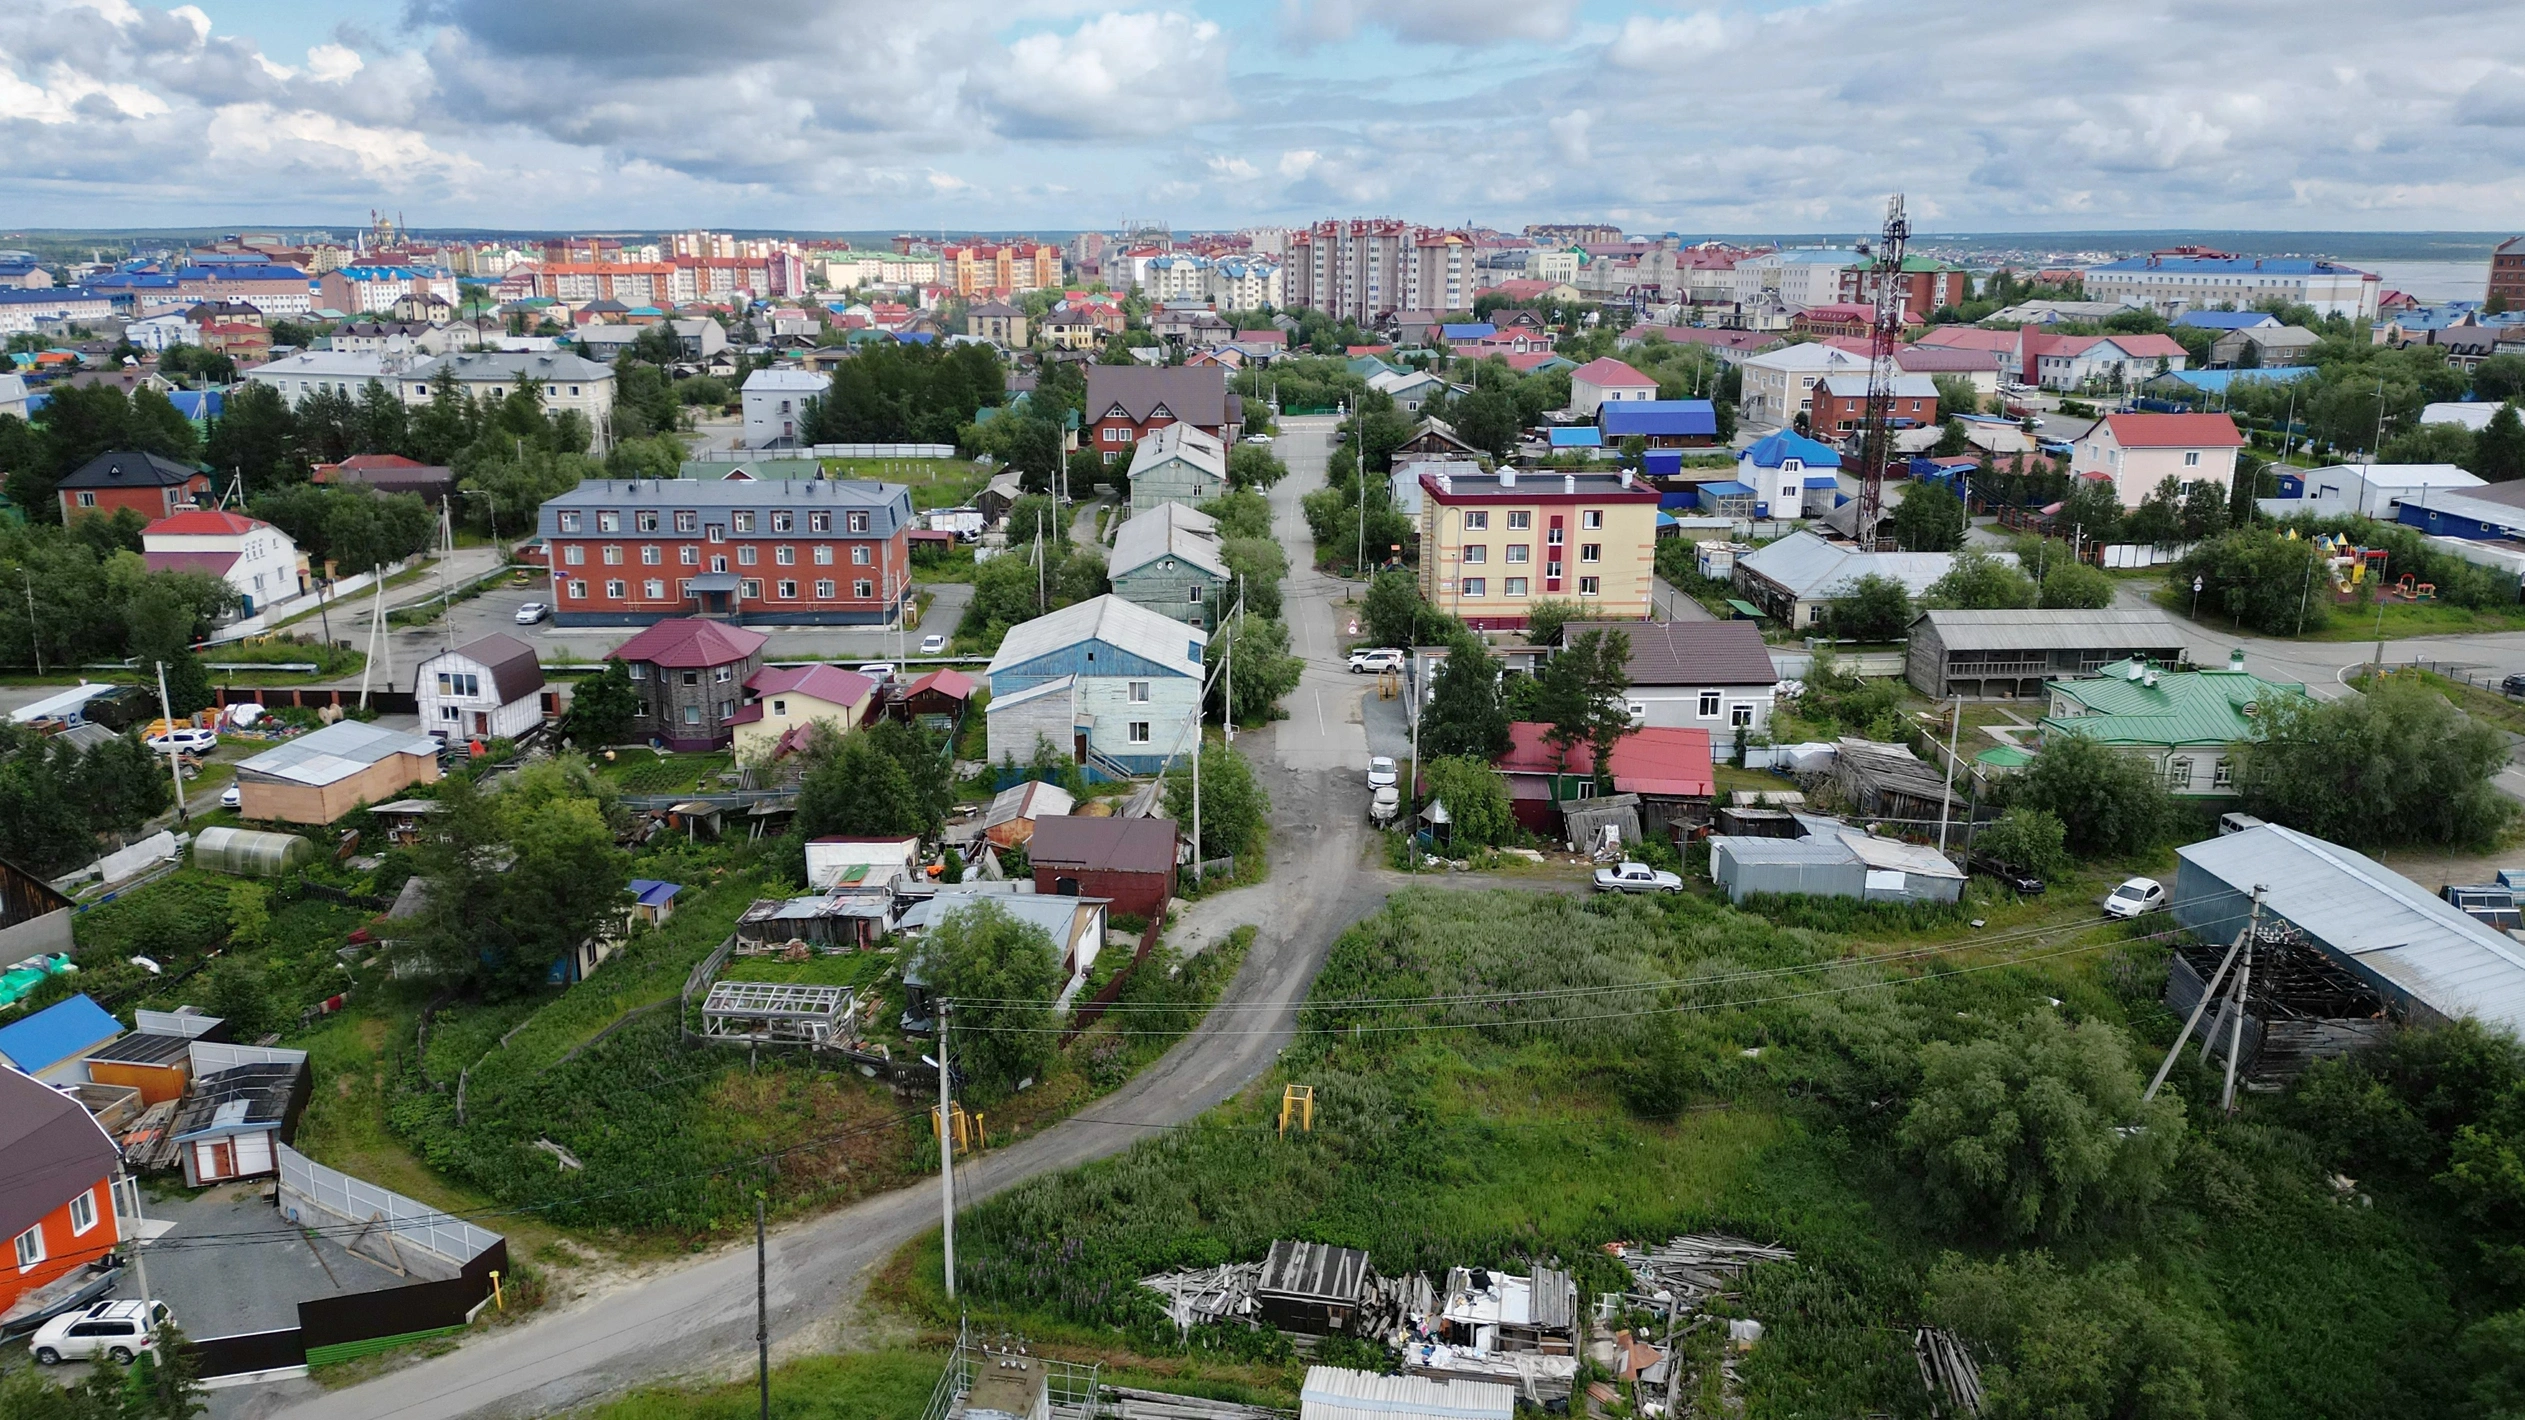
[
  {"x": 57, "y": 1193},
  {"x": 151, "y": 486}
]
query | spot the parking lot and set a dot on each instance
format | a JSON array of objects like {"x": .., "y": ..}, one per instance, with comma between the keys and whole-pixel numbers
[{"x": 232, "y": 1264}]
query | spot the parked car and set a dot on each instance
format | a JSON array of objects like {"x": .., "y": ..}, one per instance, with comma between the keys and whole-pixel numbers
[
  {"x": 1258, "y": 438},
  {"x": 933, "y": 644},
  {"x": 532, "y": 612},
  {"x": 118, "y": 1331},
  {"x": 189, "y": 741},
  {"x": 2135, "y": 897},
  {"x": 2017, "y": 879},
  {"x": 1381, "y": 773},
  {"x": 1383, "y": 805},
  {"x": 230, "y": 798},
  {"x": 2236, "y": 823},
  {"x": 2513, "y": 685},
  {"x": 1369, "y": 660},
  {"x": 881, "y": 672},
  {"x": 1636, "y": 877}
]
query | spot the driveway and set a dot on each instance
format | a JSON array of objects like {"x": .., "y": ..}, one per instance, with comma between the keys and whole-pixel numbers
[{"x": 697, "y": 1320}]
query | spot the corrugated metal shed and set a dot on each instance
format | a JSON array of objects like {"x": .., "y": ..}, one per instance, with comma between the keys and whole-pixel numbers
[
  {"x": 2113, "y": 627},
  {"x": 2420, "y": 953},
  {"x": 1816, "y": 867},
  {"x": 1332, "y": 1393},
  {"x": 1315, "y": 1271}
]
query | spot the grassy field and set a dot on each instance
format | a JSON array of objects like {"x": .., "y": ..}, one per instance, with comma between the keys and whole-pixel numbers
[
  {"x": 2359, "y": 622},
  {"x": 876, "y": 1385},
  {"x": 1765, "y": 1105},
  {"x": 935, "y": 483},
  {"x": 642, "y": 771}
]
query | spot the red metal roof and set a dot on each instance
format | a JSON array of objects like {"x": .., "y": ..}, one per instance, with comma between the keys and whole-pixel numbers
[
  {"x": 688, "y": 641},
  {"x": 1605, "y": 370},
  {"x": 202, "y": 522},
  {"x": 953, "y": 684},
  {"x": 830, "y": 684},
  {"x": 1668, "y": 762},
  {"x": 2174, "y": 431}
]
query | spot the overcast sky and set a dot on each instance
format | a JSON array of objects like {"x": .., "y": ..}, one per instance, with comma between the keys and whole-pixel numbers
[{"x": 1056, "y": 114}]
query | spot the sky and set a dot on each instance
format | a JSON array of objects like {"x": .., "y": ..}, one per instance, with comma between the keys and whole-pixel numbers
[{"x": 1778, "y": 115}]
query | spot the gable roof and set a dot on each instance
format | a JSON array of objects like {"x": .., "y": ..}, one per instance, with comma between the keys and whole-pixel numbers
[
  {"x": 1689, "y": 652},
  {"x": 130, "y": 468},
  {"x": 55, "y": 1149},
  {"x": 336, "y": 752},
  {"x": 1183, "y": 441},
  {"x": 2174, "y": 431},
  {"x": 955, "y": 685},
  {"x": 56, "y": 1033},
  {"x": 2181, "y": 708},
  {"x": 1152, "y": 636},
  {"x": 1158, "y": 534},
  {"x": 1119, "y": 845},
  {"x": 1192, "y": 394},
  {"x": 1605, "y": 371},
  {"x": 1967, "y": 337},
  {"x": 690, "y": 642},
  {"x": 1810, "y": 569},
  {"x": 1674, "y": 763},
  {"x": 830, "y": 684},
  {"x": 202, "y": 522},
  {"x": 1773, "y": 450},
  {"x": 515, "y": 671}
]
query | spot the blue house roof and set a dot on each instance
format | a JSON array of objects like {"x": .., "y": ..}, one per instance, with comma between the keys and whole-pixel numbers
[
  {"x": 1725, "y": 488},
  {"x": 1662, "y": 462},
  {"x": 1654, "y": 418},
  {"x": 649, "y": 892},
  {"x": 197, "y": 405},
  {"x": 1773, "y": 450},
  {"x": 56, "y": 1033},
  {"x": 1475, "y": 330},
  {"x": 2226, "y": 320},
  {"x": 1582, "y": 436}
]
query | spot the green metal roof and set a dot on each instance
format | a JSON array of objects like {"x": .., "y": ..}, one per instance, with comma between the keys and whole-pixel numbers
[
  {"x": 2004, "y": 757},
  {"x": 2184, "y": 708}
]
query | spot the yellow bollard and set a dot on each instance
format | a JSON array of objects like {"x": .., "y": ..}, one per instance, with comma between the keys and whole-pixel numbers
[{"x": 498, "y": 1297}]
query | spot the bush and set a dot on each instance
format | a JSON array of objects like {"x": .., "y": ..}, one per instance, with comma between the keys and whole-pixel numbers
[
  {"x": 2070, "y": 1346},
  {"x": 2032, "y": 839},
  {"x": 2399, "y": 764},
  {"x": 2106, "y": 800}
]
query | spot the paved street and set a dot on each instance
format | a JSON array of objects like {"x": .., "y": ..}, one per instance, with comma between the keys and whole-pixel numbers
[{"x": 697, "y": 1319}]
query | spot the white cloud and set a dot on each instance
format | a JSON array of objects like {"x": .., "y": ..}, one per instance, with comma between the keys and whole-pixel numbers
[
  {"x": 1223, "y": 166},
  {"x": 1117, "y": 75},
  {"x": 1457, "y": 22},
  {"x": 1569, "y": 134},
  {"x": 1665, "y": 42},
  {"x": 333, "y": 63}
]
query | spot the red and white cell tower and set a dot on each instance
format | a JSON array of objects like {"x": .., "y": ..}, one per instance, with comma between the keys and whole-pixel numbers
[{"x": 1876, "y": 442}]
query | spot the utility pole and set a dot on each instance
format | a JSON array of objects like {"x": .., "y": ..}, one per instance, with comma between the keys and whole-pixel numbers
[
  {"x": 1196, "y": 800},
  {"x": 32, "y": 635},
  {"x": 2208, "y": 990},
  {"x": 762, "y": 1315},
  {"x": 946, "y": 1153},
  {"x": 175, "y": 764},
  {"x": 140, "y": 1257},
  {"x": 2235, "y": 1032},
  {"x": 1947, "y": 802}
]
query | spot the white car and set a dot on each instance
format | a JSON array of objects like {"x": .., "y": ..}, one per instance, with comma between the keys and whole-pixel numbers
[
  {"x": 1381, "y": 773},
  {"x": 1258, "y": 438},
  {"x": 1636, "y": 877},
  {"x": 230, "y": 798},
  {"x": 1370, "y": 660},
  {"x": 532, "y": 612},
  {"x": 2132, "y": 898},
  {"x": 117, "y": 1331},
  {"x": 933, "y": 644},
  {"x": 878, "y": 671},
  {"x": 190, "y": 741}
]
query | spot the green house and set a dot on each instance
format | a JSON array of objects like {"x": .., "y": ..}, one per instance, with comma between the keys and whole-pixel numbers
[
  {"x": 1167, "y": 560},
  {"x": 2182, "y": 721}
]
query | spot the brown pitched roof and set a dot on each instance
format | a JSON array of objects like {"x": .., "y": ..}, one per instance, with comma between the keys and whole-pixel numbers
[
  {"x": 55, "y": 1149},
  {"x": 514, "y": 670},
  {"x": 1193, "y": 395},
  {"x": 1117, "y": 845},
  {"x": 1709, "y": 653}
]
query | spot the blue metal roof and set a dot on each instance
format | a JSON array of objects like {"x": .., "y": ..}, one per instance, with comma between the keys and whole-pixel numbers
[
  {"x": 56, "y": 1033},
  {"x": 197, "y": 405},
  {"x": 2217, "y": 381},
  {"x": 1473, "y": 331},
  {"x": 1822, "y": 480},
  {"x": 649, "y": 892},
  {"x": 1663, "y": 462},
  {"x": 1670, "y": 418},
  {"x": 1583, "y": 436},
  {"x": 1726, "y": 488},
  {"x": 2226, "y": 320},
  {"x": 1773, "y": 450}
]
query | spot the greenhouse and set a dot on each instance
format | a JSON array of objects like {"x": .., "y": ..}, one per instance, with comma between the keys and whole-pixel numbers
[{"x": 251, "y": 853}]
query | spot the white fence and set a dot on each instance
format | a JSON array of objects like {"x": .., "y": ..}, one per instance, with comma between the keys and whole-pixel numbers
[
  {"x": 2121, "y": 555},
  {"x": 212, "y": 1056},
  {"x": 828, "y": 451},
  {"x": 309, "y": 1188}
]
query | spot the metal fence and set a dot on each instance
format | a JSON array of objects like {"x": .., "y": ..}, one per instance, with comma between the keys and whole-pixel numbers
[
  {"x": 1071, "y": 1388},
  {"x": 306, "y": 1184},
  {"x": 828, "y": 451}
]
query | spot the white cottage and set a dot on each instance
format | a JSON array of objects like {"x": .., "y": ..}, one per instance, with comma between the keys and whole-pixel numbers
[
  {"x": 1114, "y": 686},
  {"x": 486, "y": 689},
  {"x": 255, "y": 558}
]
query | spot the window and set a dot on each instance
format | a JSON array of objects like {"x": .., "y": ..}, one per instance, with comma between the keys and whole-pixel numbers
[
  {"x": 783, "y": 520},
  {"x": 653, "y": 589},
  {"x": 1517, "y": 552},
  {"x": 751, "y": 589},
  {"x": 788, "y": 590},
  {"x": 30, "y": 1247},
  {"x": 1592, "y": 518},
  {"x": 823, "y": 555},
  {"x": 745, "y": 555},
  {"x": 692, "y": 677},
  {"x": 609, "y": 521},
  {"x": 650, "y": 554},
  {"x": 2179, "y": 773},
  {"x": 613, "y": 554},
  {"x": 742, "y": 521},
  {"x": 2222, "y": 775},
  {"x": 819, "y": 522},
  {"x": 1477, "y": 522},
  {"x": 2192, "y": 458},
  {"x": 462, "y": 683},
  {"x": 859, "y": 522},
  {"x": 1520, "y": 520},
  {"x": 714, "y": 533},
  {"x": 1740, "y": 713},
  {"x": 1476, "y": 553},
  {"x": 87, "y": 500},
  {"x": 692, "y": 714},
  {"x": 569, "y": 522},
  {"x": 1553, "y": 536},
  {"x": 859, "y": 554},
  {"x": 573, "y": 555},
  {"x": 578, "y": 591},
  {"x": 646, "y": 520},
  {"x": 1193, "y": 595},
  {"x": 721, "y": 675},
  {"x": 1473, "y": 586},
  {"x": 1552, "y": 569},
  {"x": 718, "y": 564},
  {"x": 1139, "y": 732},
  {"x": 785, "y": 555},
  {"x": 1709, "y": 705},
  {"x": 1588, "y": 586},
  {"x": 824, "y": 591},
  {"x": 1139, "y": 692},
  {"x": 689, "y": 555},
  {"x": 1513, "y": 587},
  {"x": 780, "y": 707},
  {"x": 1591, "y": 552},
  {"x": 83, "y": 1212},
  {"x": 863, "y": 589},
  {"x": 613, "y": 591},
  {"x": 686, "y": 520}
]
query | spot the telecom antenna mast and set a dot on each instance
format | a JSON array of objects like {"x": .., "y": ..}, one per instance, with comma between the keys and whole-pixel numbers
[{"x": 1876, "y": 438}]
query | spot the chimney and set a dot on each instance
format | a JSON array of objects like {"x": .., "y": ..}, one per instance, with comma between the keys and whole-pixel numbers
[
  {"x": 1569, "y": 483},
  {"x": 1507, "y": 478},
  {"x": 2152, "y": 677},
  {"x": 2235, "y": 659},
  {"x": 1626, "y": 480}
]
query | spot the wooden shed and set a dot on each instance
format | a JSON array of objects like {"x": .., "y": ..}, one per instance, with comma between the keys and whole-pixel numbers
[
  {"x": 1014, "y": 811},
  {"x": 234, "y": 1121},
  {"x": 1314, "y": 1288},
  {"x": 1129, "y": 861}
]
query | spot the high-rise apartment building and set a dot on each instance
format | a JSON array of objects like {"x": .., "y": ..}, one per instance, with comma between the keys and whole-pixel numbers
[{"x": 1366, "y": 269}]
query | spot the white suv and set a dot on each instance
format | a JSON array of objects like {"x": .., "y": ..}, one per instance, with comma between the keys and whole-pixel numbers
[
  {"x": 1368, "y": 660},
  {"x": 117, "y": 1331}
]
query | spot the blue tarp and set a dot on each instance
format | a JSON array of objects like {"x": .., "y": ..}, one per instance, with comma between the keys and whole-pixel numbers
[
  {"x": 1662, "y": 463},
  {"x": 56, "y": 1033},
  {"x": 1584, "y": 436},
  {"x": 1659, "y": 418}
]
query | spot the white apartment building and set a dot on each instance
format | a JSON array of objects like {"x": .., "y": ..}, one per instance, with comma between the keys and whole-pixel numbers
[
  {"x": 568, "y": 382},
  {"x": 335, "y": 371},
  {"x": 869, "y": 268},
  {"x": 1365, "y": 270},
  {"x": 1174, "y": 276},
  {"x": 1547, "y": 264},
  {"x": 2172, "y": 283},
  {"x": 1245, "y": 283},
  {"x": 1266, "y": 241},
  {"x": 776, "y": 401},
  {"x": 1780, "y": 384},
  {"x": 1800, "y": 276}
]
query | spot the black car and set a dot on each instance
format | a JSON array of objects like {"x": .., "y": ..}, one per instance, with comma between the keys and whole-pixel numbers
[
  {"x": 2513, "y": 685},
  {"x": 2016, "y": 878}
]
